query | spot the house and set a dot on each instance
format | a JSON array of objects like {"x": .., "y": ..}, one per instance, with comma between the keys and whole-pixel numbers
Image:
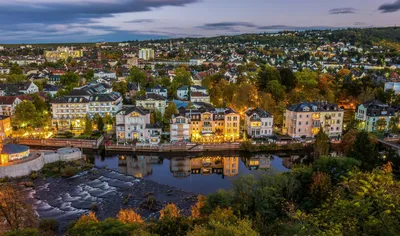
[
  {"x": 306, "y": 119},
  {"x": 258, "y": 123},
  {"x": 152, "y": 102},
  {"x": 375, "y": 115},
  {"x": 153, "y": 133},
  {"x": 131, "y": 123},
  {"x": 132, "y": 90},
  {"x": 5, "y": 127},
  {"x": 183, "y": 92},
  {"x": 24, "y": 88},
  {"x": 50, "y": 89},
  {"x": 158, "y": 90},
  {"x": 8, "y": 104},
  {"x": 199, "y": 97},
  {"x": 54, "y": 79}
]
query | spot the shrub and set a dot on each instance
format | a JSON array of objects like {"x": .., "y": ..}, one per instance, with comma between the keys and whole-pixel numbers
[
  {"x": 248, "y": 146},
  {"x": 23, "y": 232},
  {"x": 69, "y": 171},
  {"x": 4, "y": 180},
  {"x": 48, "y": 226},
  {"x": 34, "y": 175}
]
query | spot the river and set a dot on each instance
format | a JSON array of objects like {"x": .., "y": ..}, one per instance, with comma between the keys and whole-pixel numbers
[{"x": 201, "y": 174}]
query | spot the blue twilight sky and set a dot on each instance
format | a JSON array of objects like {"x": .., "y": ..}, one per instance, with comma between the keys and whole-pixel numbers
[{"x": 33, "y": 21}]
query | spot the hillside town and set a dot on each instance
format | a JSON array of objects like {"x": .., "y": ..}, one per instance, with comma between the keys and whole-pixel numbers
[{"x": 222, "y": 89}]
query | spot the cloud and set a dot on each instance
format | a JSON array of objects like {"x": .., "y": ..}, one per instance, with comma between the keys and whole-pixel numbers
[
  {"x": 226, "y": 26},
  {"x": 343, "y": 10},
  {"x": 360, "y": 23},
  {"x": 140, "y": 21},
  {"x": 390, "y": 7},
  {"x": 49, "y": 18}
]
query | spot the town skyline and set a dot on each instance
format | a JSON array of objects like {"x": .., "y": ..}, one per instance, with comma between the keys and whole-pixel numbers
[{"x": 71, "y": 21}]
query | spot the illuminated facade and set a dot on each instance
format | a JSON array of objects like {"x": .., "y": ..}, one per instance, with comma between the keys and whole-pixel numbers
[
  {"x": 375, "y": 116},
  {"x": 258, "y": 123},
  {"x": 225, "y": 166},
  {"x": 62, "y": 53},
  {"x": 213, "y": 125},
  {"x": 180, "y": 128},
  {"x": 13, "y": 152},
  {"x": 5, "y": 127},
  {"x": 306, "y": 119}
]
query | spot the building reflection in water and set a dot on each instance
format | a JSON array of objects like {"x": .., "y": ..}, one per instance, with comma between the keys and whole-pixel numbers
[{"x": 141, "y": 165}]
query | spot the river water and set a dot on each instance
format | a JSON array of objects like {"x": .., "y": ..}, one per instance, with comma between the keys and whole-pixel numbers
[{"x": 198, "y": 174}]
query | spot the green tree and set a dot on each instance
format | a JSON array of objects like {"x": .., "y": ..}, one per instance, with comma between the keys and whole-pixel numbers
[
  {"x": 169, "y": 111},
  {"x": 15, "y": 69},
  {"x": 321, "y": 145},
  {"x": 70, "y": 79},
  {"x": 394, "y": 124},
  {"x": 365, "y": 151},
  {"x": 267, "y": 74},
  {"x": 137, "y": 76},
  {"x": 88, "y": 126},
  {"x": 100, "y": 124},
  {"x": 287, "y": 78},
  {"x": 26, "y": 115},
  {"x": 276, "y": 89},
  {"x": 183, "y": 77},
  {"x": 307, "y": 79}
]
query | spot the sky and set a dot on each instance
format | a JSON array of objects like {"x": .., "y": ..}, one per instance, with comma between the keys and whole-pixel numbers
[{"x": 55, "y": 21}]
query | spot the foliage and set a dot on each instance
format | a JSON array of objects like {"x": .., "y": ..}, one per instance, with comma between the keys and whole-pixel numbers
[
  {"x": 224, "y": 222},
  {"x": 128, "y": 216},
  {"x": 321, "y": 144},
  {"x": 69, "y": 171},
  {"x": 23, "y": 232},
  {"x": 110, "y": 226},
  {"x": 14, "y": 208},
  {"x": 196, "y": 209},
  {"x": 170, "y": 211},
  {"x": 88, "y": 126},
  {"x": 137, "y": 76},
  {"x": 26, "y": 115},
  {"x": 169, "y": 111},
  {"x": 365, "y": 151},
  {"x": 48, "y": 226},
  {"x": 70, "y": 79}
]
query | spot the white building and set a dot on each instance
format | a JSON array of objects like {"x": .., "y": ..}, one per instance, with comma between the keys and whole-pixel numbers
[
  {"x": 158, "y": 90},
  {"x": 258, "y": 123},
  {"x": 105, "y": 75},
  {"x": 152, "y": 102},
  {"x": 133, "y": 123},
  {"x": 146, "y": 54},
  {"x": 180, "y": 128},
  {"x": 8, "y": 104}
]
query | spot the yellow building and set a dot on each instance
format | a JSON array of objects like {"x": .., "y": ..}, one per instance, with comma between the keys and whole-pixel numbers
[
  {"x": 5, "y": 126},
  {"x": 228, "y": 166},
  {"x": 62, "y": 53}
]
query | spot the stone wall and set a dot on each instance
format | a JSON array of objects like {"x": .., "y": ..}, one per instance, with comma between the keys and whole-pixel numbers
[{"x": 36, "y": 164}]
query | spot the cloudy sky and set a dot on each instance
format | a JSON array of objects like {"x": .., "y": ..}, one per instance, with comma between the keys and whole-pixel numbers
[{"x": 33, "y": 21}]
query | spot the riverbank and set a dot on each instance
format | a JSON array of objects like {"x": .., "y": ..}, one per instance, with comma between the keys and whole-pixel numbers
[{"x": 105, "y": 192}]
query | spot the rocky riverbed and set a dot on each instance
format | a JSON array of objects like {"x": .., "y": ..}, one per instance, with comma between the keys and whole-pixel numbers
[{"x": 105, "y": 192}]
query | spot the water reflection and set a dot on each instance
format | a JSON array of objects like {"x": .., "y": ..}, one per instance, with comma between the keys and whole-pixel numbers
[{"x": 202, "y": 174}]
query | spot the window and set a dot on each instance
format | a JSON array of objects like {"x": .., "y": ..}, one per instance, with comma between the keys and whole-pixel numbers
[
  {"x": 299, "y": 130},
  {"x": 299, "y": 122}
]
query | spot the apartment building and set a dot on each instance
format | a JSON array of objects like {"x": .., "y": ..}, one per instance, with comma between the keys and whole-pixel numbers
[
  {"x": 146, "y": 54},
  {"x": 306, "y": 119},
  {"x": 87, "y": 100},
  {"x": 375, "y": 115},
  {"x": 258, "y": 123},
  {"x": 158, "y": 90},
  {"x": 210, "y": 124}
]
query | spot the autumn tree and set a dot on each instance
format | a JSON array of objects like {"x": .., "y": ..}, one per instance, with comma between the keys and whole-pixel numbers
[
  {"x": 170, "y": 211},
  {"x": 14, "y": 208},
  {"x": 88, "y": 126},
  {"x": 196, "y": 209},
  {"x": 129, "y": 216}
]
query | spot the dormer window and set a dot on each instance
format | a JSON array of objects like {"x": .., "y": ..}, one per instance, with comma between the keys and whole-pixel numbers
[{"x": 314, "y": 108}]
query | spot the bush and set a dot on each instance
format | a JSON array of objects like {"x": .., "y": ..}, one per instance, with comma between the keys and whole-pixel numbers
[
  {"x": 69, "y": 171},
  {"x": 248, "y": 146},
  {"x": 23, "y": 232},
  {"x": 48, "y": 226},
  {"x": 4, "y": 180},
  {"x": 34, "y": 175}
]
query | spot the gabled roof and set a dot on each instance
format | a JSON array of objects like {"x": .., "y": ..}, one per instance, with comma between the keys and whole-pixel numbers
[
  {"x": 261, "y": 113},
  {"x": 7, "y": 100},
  {"x": 129, "y": 109},
  {"x": 69, "y": 99},
  {"x": 151, "y": 96}
]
